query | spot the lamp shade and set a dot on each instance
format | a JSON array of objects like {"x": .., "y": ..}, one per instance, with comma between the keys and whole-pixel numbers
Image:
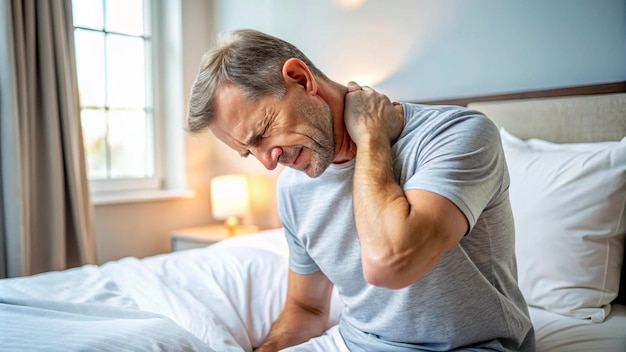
[{"x": 229, "y": 196}]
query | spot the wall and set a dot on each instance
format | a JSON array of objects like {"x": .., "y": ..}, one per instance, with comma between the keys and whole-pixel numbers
[
  {"x": 421, "y": 50},
  {"x": 408, "y": 49}
]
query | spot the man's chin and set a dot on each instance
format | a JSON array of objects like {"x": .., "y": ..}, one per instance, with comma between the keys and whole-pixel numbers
[
  {"x": 314, "y": 175},
  {"x": 310, "y": 173},
  {"x": 314, "y": 171},
  {"x": 315, "y": 165}
]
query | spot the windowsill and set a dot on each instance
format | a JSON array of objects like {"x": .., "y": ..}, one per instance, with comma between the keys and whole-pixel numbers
[{"x": 140, "y": 196}]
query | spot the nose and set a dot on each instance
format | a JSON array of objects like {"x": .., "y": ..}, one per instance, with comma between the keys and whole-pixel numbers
[{"x": 269, "y": 158}]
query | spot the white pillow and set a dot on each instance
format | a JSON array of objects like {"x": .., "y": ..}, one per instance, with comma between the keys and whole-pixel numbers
[{"x": 568, "y": 202}]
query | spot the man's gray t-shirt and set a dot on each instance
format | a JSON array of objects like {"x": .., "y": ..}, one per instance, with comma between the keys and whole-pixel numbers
[{"x": 470, "y": 298}]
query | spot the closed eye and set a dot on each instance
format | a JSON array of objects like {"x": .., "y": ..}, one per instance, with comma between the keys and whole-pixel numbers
[
  {"x": 266, "y": 131},
  {"x": 256, "y": 139},
  {"x": 263, "y": 134}
]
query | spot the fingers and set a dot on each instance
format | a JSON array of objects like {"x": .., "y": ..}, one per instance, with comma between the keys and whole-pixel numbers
[{"x": 353, "y": 86}]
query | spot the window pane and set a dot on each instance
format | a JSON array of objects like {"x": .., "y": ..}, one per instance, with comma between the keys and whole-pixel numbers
[
  {"x": 125, "y": 16},
  {"x": 94, "y": 139},
  {"x": 87, "y": 13},
  {"x": 129, "y": 144},
  {"x": 114, "y": 70},
  {"x": 125, "y": 71},
  {"x": 90, "y": 67}
]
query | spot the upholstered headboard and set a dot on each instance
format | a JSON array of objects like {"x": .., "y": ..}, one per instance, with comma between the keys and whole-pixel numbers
[
  {"x": 593, "y": 118},
  {"x": 571, "y": 119}
]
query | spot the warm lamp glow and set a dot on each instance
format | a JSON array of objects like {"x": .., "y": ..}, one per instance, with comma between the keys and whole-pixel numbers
[
  {"x": 229, "y": 199},
  {"x": 350, "y": 4}
]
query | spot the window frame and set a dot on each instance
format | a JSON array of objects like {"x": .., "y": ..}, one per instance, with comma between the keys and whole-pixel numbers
[{"x": 164, "y": 96}]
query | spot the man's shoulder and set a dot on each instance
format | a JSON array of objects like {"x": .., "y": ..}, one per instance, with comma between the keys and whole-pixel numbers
[
  {"x": 415, "y": 109},
  {"x": 429, "y": 119},
  {"x": 423, "y": 108}
]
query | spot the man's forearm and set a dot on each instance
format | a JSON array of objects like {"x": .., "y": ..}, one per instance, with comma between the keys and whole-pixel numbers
[
  {"x": 381, "y": 209},
  {"x": 377, "y": 196}
]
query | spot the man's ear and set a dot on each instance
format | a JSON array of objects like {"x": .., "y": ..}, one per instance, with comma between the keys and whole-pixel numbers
[{"x": 296, "y": 72}]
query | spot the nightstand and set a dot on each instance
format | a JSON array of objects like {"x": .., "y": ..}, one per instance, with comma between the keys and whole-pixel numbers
[{"x": 202, "y": 236}]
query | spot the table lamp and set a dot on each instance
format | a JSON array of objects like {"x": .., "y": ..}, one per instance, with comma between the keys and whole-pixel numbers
[{"x": 229, "y": 200}]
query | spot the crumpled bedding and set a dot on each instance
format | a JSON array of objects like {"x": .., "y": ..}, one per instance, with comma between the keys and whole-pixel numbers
[{"x": 220, "y": 298}]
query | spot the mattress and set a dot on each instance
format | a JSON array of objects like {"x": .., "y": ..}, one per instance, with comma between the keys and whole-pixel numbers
[{"x": 557, "y": 333}]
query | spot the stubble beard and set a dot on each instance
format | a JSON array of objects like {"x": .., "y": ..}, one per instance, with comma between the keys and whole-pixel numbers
[{"x": 322, "y": 132}]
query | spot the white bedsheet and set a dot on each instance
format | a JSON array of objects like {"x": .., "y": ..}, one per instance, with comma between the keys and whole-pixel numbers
[
  {"x": 219, "y": 298},
  {"x": 45, "y": 325},
  {"x": 223, "y": 298},
  {"x": 558, "y": 333}
]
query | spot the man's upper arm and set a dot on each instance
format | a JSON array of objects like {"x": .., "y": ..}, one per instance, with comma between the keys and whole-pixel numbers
[
  {"x": 442, "y": 216},
  {"x": 464, "y": 165}
]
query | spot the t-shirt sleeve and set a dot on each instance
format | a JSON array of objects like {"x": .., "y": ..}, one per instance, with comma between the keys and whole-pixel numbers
[
  {"x": 299, "y": 260},
  {"x": 463, "y": 161}
]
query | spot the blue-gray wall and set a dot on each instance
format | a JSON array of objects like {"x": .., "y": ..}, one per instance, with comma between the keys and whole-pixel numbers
[{"x": 419, "y": 50}]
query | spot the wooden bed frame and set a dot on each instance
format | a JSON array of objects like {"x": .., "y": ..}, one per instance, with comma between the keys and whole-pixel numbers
[{"x": 603, "y": 88}]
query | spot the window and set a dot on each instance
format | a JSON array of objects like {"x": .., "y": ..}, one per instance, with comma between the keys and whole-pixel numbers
[{"x": 120, "y": 77}]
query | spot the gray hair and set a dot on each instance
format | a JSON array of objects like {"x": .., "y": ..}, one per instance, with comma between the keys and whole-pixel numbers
[{"x": 251, "y": 60}]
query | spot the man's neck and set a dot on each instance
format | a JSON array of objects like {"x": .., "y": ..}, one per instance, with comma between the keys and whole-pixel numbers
[
  {"x": 334, "y": 94},
  {"x": 400, "y": 124},
  {"x": 346, "y": 148}
]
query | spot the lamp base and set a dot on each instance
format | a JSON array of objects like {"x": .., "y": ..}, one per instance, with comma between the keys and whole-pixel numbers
[{"x": 231, "y": 223}]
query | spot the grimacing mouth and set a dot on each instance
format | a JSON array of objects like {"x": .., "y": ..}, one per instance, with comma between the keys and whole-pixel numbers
[{"x": 291, "y": 157}]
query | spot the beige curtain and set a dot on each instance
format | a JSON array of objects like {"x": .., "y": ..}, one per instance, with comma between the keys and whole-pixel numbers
[{"x": 47, "y": 216}]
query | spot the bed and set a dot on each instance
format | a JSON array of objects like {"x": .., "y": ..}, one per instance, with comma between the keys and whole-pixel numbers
[
  {"x": 567, "y": 160},
  {"x": 568, "y": 193}
]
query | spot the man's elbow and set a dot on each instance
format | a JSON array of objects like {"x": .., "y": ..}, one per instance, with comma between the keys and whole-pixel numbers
[{"x": 390, "y": 273}]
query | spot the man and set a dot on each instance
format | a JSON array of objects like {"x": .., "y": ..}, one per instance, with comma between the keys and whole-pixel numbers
[{"x": 403, "y": 207}]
